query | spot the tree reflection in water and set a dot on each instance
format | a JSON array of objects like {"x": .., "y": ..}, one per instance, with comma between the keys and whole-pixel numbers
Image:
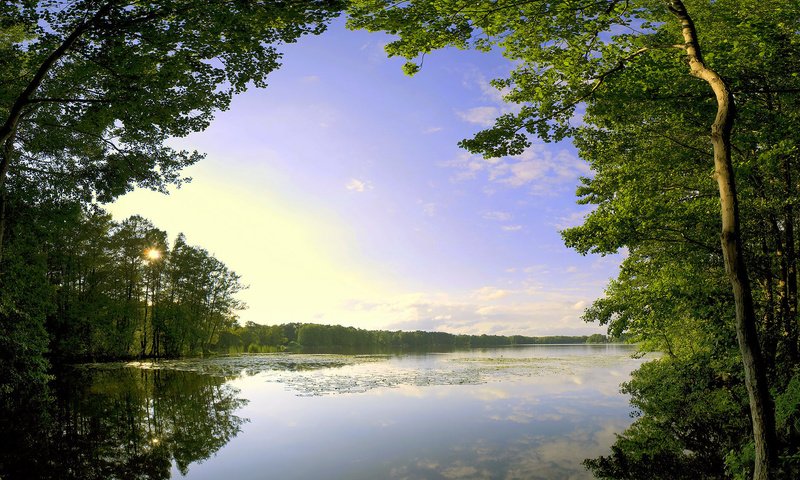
[{"x": 119, "y": 423}]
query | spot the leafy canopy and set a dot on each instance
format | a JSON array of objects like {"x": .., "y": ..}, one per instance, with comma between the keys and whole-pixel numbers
[
  {"x": 92, "y": 89},
  {"x": 566, "y": 52}
]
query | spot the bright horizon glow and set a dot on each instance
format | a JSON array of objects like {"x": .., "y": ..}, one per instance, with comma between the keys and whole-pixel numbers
[{"x": 340, "y": 196}]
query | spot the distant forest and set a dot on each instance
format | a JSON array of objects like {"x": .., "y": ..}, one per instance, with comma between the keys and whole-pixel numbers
[
  {"x": 121, "y": 290},
  {"x": 255, "y": 338}
]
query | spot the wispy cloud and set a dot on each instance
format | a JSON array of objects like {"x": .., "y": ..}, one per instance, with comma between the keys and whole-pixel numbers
[
  {"x": 512, "y": 228},
  {"x": 309, "y": 79},
  {"x": 483, "y": 116},
  {"x": 467, "y": 166},
  {"x": 541, "y": 170},
  {"x": 431, "y": 130},
  {"x": 429, "y": 208},
  {"x": 570, "y": 220},
  {"x": 485, "y": 294},
  {"x": 516, "y": 308},
  {"x": 579, "y": 305},
  {"x": 474, "y": 78},
  {"x": 490, "y": 92},
  {"x": 375, "y": 52},
  {"x": 497, "y": 216},
  {"x": 356, "y": 185}
]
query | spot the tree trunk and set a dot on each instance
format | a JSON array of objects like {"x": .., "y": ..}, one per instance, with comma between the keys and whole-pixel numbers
[
  {"x": 761, "y": 409},
  {"x": 143, "y": 342},
  {"x": 769, "y": 340},
  {"x": 791, "y": 262}
]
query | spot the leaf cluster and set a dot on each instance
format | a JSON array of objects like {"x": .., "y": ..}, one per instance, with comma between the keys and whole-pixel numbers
[{"x": 101, "y": 85}]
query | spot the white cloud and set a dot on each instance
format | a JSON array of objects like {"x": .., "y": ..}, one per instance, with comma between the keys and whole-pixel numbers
[
  {"x": 512, "y": 228},
  {"x": 467, "y": 166},
  {"x": 538, "y": 168},
  {"x": 430, "y": 130},
  {"x": 509, "y": 310},
  {"x": 487, "y": 310},
  {"x": 515, "y": 313},
  {"x": 497, "y": 216},
  {"x": 474, "y": 78},
  {"x": 571, "y": 220},
  {"x": 523, "y": 172},
  {"x": 430, "y": 209},
  {"x": 310, "y": 79},
  {"x": 537, "y": 269},
  {"x": 356, "y": 185},
  {"x": 483, "y": 116},
  {"x": 539, "y": 165},
  {"x": 486, "y": 294}
]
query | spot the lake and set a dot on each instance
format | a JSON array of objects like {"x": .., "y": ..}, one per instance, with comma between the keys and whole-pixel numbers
[{"x": 524, "y": 412}]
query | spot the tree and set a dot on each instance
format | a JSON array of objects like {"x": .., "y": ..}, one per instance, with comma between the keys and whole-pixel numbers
[
  {"x": 195, "y": 299},
  {"x": 577, "y": 53},
  {"x": 92, "y": 88}
]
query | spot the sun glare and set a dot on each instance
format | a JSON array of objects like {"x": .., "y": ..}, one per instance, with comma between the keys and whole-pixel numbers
[{"x": 152, "y": 254}]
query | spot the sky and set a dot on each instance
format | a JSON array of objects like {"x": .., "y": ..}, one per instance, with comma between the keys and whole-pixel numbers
[{"x": 340, "y": 195}]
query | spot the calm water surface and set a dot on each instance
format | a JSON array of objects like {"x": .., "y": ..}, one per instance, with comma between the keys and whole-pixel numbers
[{"x": 527, "y": 412}]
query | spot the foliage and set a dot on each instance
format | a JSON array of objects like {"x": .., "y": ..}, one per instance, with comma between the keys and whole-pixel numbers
[
  {"x": 613, "y": 77},
  {"x": 90, "y": 91},
  {"x": 24, "y": 304},
  {"x": 690, "y": 412},
  {"x": 114, "y": 301},
  {"x": 256, "y": 338},
  {"x": 85, "y": 290}
]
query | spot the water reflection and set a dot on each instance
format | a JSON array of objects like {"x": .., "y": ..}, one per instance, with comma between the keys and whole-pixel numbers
[
  {"x": 523, "y": 413},
  {"x": 120, "y": 423},
  {"x": 516, "y": 413}
]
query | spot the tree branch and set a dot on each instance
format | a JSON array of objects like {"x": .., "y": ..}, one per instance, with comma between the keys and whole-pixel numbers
[{"x": 15, "y": 112}]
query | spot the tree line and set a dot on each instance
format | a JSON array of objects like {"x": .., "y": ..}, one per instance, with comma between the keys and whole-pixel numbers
[
  {"x": 118, "y": 290},
  {"x": 90, "y": 92},
  {"x": 257, "y": 338}
]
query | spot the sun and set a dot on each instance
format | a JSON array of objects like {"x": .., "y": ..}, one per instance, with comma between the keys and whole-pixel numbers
[{"x": 152, "y": 253}]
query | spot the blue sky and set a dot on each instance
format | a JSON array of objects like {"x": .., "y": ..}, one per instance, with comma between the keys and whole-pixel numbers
[{"x": 340, "y": 195}]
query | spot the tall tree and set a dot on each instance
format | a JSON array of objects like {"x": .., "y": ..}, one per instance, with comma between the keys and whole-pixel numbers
[
  {"x": 92, "y": 88},
  {"x": 570, "y": 53}
]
